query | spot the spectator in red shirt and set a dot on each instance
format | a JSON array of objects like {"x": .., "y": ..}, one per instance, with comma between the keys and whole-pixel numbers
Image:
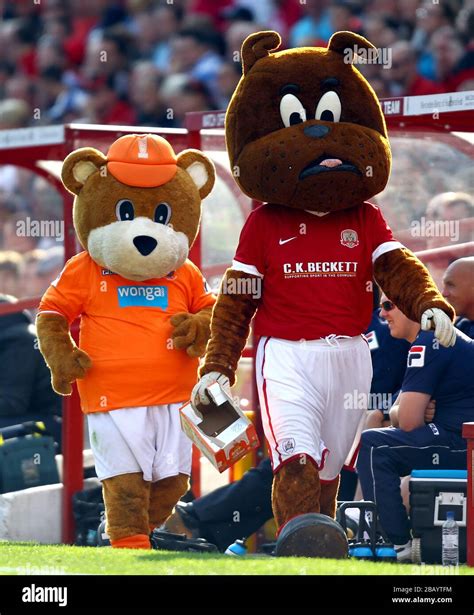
[
  {"x": 447, "y": 52},
  {"x": 106, "y": 106}
]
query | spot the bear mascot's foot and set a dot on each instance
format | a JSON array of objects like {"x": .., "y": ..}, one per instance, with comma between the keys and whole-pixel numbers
[{"x": 312, "y": 535}]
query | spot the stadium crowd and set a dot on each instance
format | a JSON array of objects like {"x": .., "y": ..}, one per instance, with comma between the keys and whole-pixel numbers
[{"x": 148, "y": 62}]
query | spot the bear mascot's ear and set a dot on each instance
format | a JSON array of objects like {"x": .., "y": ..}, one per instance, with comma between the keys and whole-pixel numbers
[
  {"x": 257, "y": 46},
  {"x": 79, "y": 166},
  {"x": 200, "y": 168},
  {"x": 348, "y": 42}
]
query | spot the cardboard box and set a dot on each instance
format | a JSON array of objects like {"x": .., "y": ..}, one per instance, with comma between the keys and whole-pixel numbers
[{"x": 225, "y": 434}]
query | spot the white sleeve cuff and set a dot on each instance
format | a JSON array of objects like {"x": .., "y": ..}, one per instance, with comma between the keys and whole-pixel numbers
[
  {"x": 251, "y": 269},
  {"x": 388, "y": 246}
]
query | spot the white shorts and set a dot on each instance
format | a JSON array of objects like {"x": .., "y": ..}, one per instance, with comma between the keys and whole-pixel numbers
[
  {"x": 313, "y": 398},
  {"x": 142, "y": 439}
]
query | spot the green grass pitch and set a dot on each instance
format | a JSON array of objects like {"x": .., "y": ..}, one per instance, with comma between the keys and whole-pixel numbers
[{"x": 28, "y": 558}]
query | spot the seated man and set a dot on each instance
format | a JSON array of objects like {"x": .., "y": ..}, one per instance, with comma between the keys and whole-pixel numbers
[
  {"x": 423, "y": 439},
  {"x": 25, "y": 381},
  {"x": 233, "y": 511},
  {"x": 458, "y": 289},
  {"x": 389, "y": 359}
]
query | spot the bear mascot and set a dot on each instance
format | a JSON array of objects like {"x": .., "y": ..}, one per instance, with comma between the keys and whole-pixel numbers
[
  {"x": 306, "y": 135},
  {"x": 144, "y": 313}
]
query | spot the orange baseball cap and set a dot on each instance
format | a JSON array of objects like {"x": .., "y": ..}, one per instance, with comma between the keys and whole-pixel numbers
[{"x": 144, "y": 161}]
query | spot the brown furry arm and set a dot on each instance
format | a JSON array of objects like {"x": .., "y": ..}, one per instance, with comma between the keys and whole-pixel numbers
[
  {"x": 407, "y": 282},
  {"x": 192, "y": 331},
  {"x": 65, "y": 360},
  {"x": 230, "y": 325}
]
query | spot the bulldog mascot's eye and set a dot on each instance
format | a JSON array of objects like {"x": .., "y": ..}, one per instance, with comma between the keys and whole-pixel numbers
[
  {"x": 329, "y": 108},
  {"x": 292, "y": 110}
]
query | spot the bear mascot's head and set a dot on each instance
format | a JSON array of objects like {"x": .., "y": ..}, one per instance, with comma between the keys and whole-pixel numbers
[{"x": 137, "y": 210}]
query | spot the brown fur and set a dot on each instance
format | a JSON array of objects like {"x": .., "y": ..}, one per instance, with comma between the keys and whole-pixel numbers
[
  {"x": 164, "y": 494},
  {"x": 65, "y": 360},
  {"x": 328, "y": 498},
  {"x": 94, "y": 205},
  {"x": 191, "y": 331},
  {"x": 270, "y": 157},
  {"x": 407, "y": 282},
  {"x": 127, "y": 499},
  {"x": 129, "y": 505},
  {"x": 230, "y": 326},
  {"x": 296, "y": 490}
]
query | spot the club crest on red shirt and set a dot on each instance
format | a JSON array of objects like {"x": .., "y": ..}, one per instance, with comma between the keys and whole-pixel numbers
[{"x": 349, "y": 238}]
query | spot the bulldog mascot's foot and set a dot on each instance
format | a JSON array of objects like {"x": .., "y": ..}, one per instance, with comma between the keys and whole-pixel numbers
[{"x": 312, "y": 535}]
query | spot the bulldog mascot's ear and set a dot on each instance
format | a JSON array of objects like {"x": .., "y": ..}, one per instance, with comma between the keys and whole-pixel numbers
[
  {"x": 258, "y": 46},
  {"x": 341, "y": 42},
  {"x": 261, "y": 44}
]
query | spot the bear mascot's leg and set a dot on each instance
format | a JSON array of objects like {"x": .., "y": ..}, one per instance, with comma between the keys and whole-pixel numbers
[
  {"x": 164, "y": 495},
  {"x": 328, "y": 498},
  {"x": 296, "y": 490},
  {"x": 126, "y": 499}
]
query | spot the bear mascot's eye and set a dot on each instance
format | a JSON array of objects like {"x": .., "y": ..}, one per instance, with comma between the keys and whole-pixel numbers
[
  {"x": 291, "y": 110},
  {"x": 162, "y": 213},
  {"x": 124, "y": 210},
  {"x": 329, "y": 108}
]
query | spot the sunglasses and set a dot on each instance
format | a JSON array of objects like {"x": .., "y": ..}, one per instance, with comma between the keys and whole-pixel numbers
[{"x": 387, "y": 305}]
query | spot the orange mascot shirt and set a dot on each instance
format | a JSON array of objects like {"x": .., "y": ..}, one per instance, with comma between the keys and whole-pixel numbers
[{"x": 126, "y": 331}]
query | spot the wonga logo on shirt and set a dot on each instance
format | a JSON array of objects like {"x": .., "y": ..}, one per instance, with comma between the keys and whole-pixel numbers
[{"x": 143, "y": 296}]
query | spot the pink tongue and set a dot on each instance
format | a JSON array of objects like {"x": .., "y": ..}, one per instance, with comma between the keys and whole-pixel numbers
[{"x": 331, "y": 162}]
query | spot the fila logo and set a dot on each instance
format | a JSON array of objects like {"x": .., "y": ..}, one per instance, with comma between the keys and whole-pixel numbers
[
  {"x": 143, "y": 147},
  {"x": 372, "y": 340},
  {"x": 416, "y": 356},
  {"x": 349, "y": 238},
  {"x": 283, "y": 241}
]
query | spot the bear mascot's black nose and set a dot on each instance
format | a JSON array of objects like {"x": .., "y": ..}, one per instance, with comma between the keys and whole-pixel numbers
[{"x": 144, "y": 244}]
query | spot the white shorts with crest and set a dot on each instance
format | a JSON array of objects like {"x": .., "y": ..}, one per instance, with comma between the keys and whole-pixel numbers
[{"x": 312, "y": 396}]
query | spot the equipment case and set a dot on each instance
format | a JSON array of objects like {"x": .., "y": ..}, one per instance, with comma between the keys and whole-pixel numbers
[{"x": 432, "y": 494}]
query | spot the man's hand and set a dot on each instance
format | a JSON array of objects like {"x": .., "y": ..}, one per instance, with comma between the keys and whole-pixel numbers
[
  {"x": 199, "y": 396},
  {"x": 436, "y": 319},
  {"x": 430, "y": 411}
]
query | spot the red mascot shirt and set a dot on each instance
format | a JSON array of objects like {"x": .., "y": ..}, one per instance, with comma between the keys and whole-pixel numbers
[
  {"x": 126, "y": 331},
  {"x": 317, "y": 270}
]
